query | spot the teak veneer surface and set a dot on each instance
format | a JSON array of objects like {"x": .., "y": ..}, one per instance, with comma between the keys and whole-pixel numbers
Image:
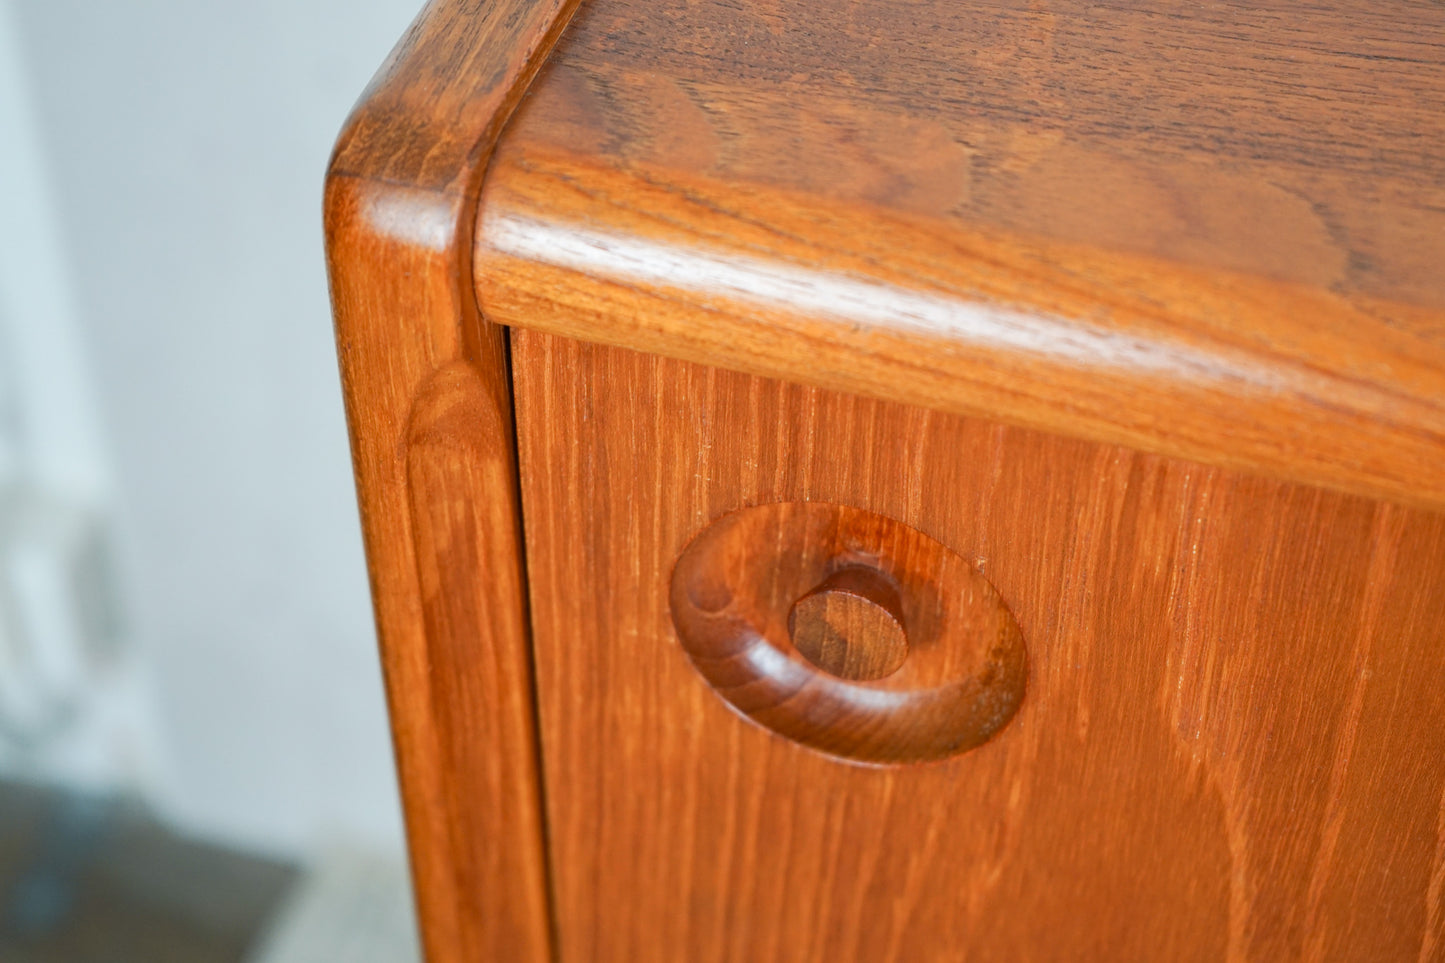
[
  {"x": 1213, "y": 231},
  {"x": 1169, "y": 230},
  {"x": 1230, "y": 748}
]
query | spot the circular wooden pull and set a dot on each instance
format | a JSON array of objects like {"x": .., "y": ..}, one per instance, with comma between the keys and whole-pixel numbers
[{"x": 849, "y": 632}]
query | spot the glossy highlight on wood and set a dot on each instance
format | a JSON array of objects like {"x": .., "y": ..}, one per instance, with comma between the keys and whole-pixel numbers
[
  {"x": 738, "y": 582},
  {"x": 1212, "y": 232}
]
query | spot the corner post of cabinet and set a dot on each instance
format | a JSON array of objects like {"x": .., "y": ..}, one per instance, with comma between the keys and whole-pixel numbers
[{"x": 429, "y": 411}]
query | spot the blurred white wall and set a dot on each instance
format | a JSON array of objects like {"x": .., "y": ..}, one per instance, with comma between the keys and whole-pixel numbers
[
  {"x": 74, "y": 705},
  {"x": 183, "y": 146}
]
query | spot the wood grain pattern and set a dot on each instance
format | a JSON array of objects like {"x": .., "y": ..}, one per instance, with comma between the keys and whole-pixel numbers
[
  {"x": 1230, "y": 749},
  {"x": 1210, "y": 232},
  {"x": 429, "y": 410}
]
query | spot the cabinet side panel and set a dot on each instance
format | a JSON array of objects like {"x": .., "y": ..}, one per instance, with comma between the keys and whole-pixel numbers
[{"x": 1229, "y": 749}]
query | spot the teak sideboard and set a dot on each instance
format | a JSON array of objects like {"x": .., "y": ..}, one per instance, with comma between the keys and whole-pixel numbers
[{"x": 900, "y": 480}]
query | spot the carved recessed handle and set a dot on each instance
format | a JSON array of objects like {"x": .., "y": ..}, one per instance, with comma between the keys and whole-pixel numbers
[{"x": 849, "y": 632}]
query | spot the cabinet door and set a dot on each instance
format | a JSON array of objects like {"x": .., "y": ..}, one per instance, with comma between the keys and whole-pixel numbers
[{"x": 1230, "y": 746}]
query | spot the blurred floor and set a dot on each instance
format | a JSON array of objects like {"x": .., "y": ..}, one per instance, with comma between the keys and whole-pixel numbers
[
  {"x": 351, "y": 906},
  {"x": 89, "y": 879}
]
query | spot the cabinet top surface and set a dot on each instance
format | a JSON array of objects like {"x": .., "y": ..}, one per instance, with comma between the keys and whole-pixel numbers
[
  {"x": 1302, "y": 142},
  {"x": 1232, "y": 212}
]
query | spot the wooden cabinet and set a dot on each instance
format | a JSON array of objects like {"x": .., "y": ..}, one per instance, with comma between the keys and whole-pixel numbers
[{"x": 907, "y": 481}]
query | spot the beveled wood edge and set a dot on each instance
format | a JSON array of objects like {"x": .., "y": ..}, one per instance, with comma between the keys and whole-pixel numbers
[
  {"x": 415, "y": 353},
  {"x": 1166, "y": 359}
]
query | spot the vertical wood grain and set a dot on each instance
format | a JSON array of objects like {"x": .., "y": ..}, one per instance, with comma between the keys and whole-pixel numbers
[
  {"x": 1230, "y": 748},
  {"x": 429, "y": 409}
]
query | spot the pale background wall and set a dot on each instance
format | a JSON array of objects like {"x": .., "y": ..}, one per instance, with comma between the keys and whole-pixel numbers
[{"x": 180, "y": 148}]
